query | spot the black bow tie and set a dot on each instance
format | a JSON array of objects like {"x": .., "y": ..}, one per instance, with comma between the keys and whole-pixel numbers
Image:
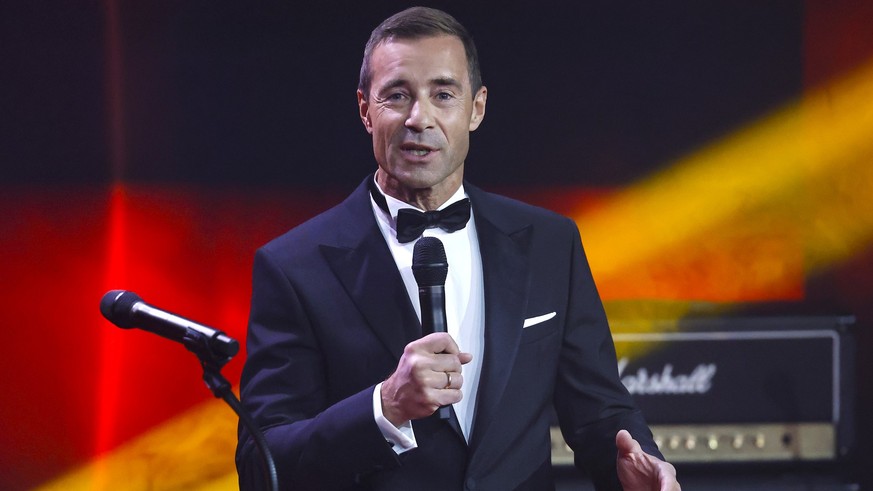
[{"x": 412, "y": 223}]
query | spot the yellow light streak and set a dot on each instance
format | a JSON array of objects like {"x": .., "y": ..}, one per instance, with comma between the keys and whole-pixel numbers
[
  {"x": 192, "y": 451},
  {"x": 804, "y": 174}
]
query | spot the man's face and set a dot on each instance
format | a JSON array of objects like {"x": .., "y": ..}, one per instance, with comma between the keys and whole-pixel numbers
[{"x": 420, "y": 112}]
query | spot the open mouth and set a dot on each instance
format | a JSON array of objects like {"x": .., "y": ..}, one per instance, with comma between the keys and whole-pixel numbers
[{"x": 416, "y": 150}]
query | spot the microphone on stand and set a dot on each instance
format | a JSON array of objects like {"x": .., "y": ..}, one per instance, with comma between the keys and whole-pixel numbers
[
  {"x": 213, "y": 348},
  {"x": 126, "y": 310},
  {"x": 430, "y": 268}
]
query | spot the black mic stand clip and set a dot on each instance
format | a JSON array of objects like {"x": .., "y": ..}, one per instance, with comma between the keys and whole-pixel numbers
[{"x": 211, "y": 361}]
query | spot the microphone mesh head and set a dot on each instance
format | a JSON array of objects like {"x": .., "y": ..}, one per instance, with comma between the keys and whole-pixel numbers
[
  {"x": 429, "y": 264},
  {"x": 116, "y": 306}
]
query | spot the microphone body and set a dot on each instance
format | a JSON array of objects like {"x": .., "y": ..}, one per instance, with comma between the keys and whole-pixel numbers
[
  {"x": 430, "y": 268},
  {"x": 127, "y": 310},
  {"x": 433, "y": 308}
]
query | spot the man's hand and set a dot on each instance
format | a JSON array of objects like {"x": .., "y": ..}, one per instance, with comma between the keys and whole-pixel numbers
[
  {"x": 420, "y": 385},
  {"x": 639, "y": 471}
]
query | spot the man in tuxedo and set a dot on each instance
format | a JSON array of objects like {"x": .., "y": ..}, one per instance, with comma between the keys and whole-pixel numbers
[{"x": 339, "y": 376}]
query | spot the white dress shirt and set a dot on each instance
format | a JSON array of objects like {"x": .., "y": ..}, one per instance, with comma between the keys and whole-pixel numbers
[{"x": 465, "y": 307}]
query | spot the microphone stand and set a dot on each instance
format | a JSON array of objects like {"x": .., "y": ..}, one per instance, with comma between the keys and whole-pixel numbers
[{"x": 199, "y": 344}]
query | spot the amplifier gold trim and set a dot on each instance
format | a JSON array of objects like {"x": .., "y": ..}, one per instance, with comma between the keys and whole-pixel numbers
[{"x": 731, "y": 443}]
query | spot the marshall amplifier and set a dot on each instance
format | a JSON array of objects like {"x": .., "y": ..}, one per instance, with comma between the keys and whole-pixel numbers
[{"x": 739, "y": 390}]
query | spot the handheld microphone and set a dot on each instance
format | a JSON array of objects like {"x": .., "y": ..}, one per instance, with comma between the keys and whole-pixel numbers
[
  {"x": 430, "y": 268},
  {"x": 126, "y": 310}
]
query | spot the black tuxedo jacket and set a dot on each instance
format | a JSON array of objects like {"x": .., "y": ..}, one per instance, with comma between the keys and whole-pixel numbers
[{"x": 330, "y": 317}]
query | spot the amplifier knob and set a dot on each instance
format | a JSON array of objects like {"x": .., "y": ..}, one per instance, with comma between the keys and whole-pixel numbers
[
  {"x": 690, "y": 442},
  {"x": 760, "y": 440},
  {"x": 712, "y": 442},
  {"x": 738, "y": 441},
  {"x": 674, "y": 442}
]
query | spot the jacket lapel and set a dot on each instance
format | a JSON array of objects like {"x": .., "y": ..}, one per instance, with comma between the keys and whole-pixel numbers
[
  {"x": 504, "y": 247},
  {"x": 363, "y": 264}
]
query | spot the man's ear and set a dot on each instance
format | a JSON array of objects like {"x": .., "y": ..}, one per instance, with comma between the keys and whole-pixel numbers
[
  {"x": 478, "y": 108},
  {"x": 364, "y": 109}
]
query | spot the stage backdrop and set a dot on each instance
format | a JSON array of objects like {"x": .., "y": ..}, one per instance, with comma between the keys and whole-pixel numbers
[{"x": 717, "y": 157}]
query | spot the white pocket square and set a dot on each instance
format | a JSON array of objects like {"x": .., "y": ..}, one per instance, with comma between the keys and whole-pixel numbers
[{"x": 538, "y": 319}]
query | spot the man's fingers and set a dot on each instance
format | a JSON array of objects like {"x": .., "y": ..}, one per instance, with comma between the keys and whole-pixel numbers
[
  {"x": 446, "y": 397},
  {"x": 444, "y": 388},
  {"x": 442, "y": 350},
  {"x": 443, "y": 362},
  {"x": 438, "y": 342},
  {"x": 449, "y": 379},
  {"x": 638, "y": 470},
  {"x": 626, "y": 443}
]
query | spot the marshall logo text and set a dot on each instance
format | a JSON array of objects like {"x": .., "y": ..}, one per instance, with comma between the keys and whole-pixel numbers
[{"x": 699, "y": 381}]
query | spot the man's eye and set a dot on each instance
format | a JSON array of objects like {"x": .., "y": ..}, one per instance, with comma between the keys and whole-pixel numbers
[
  {"x": 444, "y": 96},
  {"x": 397, "y": 96}
]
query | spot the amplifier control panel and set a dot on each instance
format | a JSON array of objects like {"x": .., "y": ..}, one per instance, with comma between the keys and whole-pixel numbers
[{"x": 731, "y": 443}]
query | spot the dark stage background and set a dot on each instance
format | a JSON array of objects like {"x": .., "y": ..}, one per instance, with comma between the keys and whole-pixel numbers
[{"x": 716, "y": 155}]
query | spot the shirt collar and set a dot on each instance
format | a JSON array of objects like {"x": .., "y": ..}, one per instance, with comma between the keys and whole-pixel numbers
[{"x": 395, "y": 205}]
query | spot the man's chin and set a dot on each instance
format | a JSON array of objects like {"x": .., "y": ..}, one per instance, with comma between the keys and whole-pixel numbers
[{"x": 417, "y": 178}]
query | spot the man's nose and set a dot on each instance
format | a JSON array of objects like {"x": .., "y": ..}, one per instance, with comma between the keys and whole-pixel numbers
[{"x": 420, "y": 115}]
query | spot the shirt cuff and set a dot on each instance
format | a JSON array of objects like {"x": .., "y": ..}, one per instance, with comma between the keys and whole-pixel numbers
[{"x": 401, "y": 439}]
